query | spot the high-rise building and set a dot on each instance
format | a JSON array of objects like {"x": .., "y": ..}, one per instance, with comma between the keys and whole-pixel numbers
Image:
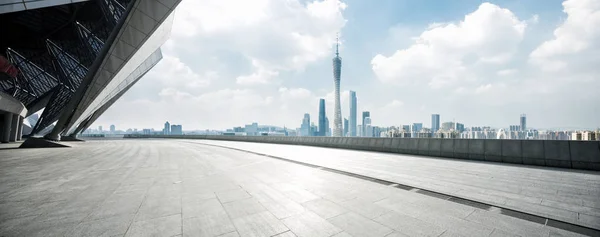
[
  {"x": 345, "y": 127},
  {"x": 352, "y": 120},
  {"x": 416, "y": 127},
  {"x": 337, "y": 114},
  {"x": 447, "y": 126},
  {"x": 523, "y": 122},
  {"x": 322, "y": 127},
  {"x": 112, "y": 128},
  {"x": 368, "y": 128},
  {"x": 460, "y": 127},
  {"x": 305, "y": 126},
  {"x": 365, "y": 114},
  {"x": 176, "y": 130},
  {"x": 167, "y": 129},
  {"x": 327, "y": 129},
  {"x": 100, "y": 129},
  {"x": 435, "y": 122}
]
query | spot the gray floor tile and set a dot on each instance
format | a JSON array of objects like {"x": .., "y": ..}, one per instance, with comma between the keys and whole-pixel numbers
[
  {"x": 325, "y": 208},
  {"x": 408, "y": 225},
  {"x": 259, "y": 224},
  {"x": 208, "y": 224},
  {"x": 111, "y": 226},
  {"x": 357, "y": 225},
  {"x": 309, "y": 224},
  {"x": 243, "y": 208},
  {"x": 286, "y": 234},
  {"x": 163, "y": 226},
  {"x": 232, "y": 195}
]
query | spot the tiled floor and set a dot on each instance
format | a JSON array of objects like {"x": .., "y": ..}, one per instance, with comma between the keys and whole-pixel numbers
[
  {"x": 178, "y": 188},
  {"x": 563, "y": 194}
]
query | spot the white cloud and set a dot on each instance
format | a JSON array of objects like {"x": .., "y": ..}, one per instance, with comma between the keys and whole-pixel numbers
[
  {"x": 447, "y": 53},
  {"x": 261, "y": 75},
  {"x": 507, "y": 72},
  {"x": 576, "y": 41},
  {"x": 278, "y": 35},
  {"x": 170, "y": 71}
]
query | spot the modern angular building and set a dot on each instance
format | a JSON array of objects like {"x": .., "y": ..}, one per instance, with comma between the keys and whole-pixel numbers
[{"x": 71, "y": 60}]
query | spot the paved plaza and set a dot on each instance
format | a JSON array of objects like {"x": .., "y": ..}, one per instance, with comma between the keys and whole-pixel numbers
[{"x": 146, "y": 187}]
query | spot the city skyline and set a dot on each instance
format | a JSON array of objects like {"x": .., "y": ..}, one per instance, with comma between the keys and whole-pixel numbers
[{"x": 276, "y": 80}]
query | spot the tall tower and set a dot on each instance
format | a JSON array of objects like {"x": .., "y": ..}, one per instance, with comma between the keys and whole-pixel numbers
[
  {"x": 523, "y": 122},
  {"x": 337, "y": 71}
]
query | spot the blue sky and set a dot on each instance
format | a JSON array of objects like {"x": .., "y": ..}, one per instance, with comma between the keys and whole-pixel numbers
[{"x": 269, "y": 61}]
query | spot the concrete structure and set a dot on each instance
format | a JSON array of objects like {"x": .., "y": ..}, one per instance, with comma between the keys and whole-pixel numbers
[
  {"x": 219, "y": 188},
  {"x": 337, "y": 110},
  {"x": 584, "y": 155},
  {"x": 12, "y": 113},
  {"x": 352, "y": 120},
  {"x": 83, "y": 58}
]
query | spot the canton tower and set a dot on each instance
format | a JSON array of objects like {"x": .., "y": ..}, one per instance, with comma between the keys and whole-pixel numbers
[{"x": 337, "y": 71}]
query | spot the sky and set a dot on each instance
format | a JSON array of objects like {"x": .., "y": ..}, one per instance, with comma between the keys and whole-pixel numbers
[{"x": 234, "y": 62}]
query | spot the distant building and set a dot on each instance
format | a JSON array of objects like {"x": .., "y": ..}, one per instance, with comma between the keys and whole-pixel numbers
[
  {"x": 100, "y": 129},
  {"x": 251, "y": 129},
  {"x": 112, "y": 128},
  {"x": 368, "y": 129},
  {"x": 514, "y": 128},
  {"x": 305, "y": 126},
  {"x": 352, "y": 120},
  {"x": 327, "y": 129},
  {"x": 167, "y": 128},
  {"x": 346, "y": 131},
  {"x": 447, "y": 126},
  {"x": 365, "y": 114},
  {"x": 176, "y": 130},
  {"x": 416, "y": 127},
  {"x": 238, "y": 129},
  {"x": 460, "y": 127},
  {"x": 435, "y": 122},
  {"x": 323, "y": 127},
  {"x": 523, "y": 122}
]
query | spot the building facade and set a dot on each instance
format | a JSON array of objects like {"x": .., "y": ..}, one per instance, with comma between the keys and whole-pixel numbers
[
  {"x": 352, "y": 119},
  {"x": 323, "y": 128},
  {"x": 83, "y": 58}
]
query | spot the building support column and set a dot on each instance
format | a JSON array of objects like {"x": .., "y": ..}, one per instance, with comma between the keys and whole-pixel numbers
[
  {"x": 5, "y": 136},
  {"x": 14, "y": 128},
  {"x": 20, "y": 129}
]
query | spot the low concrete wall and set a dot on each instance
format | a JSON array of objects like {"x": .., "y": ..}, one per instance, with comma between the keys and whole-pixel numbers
[{"x": 563, "y": 154}]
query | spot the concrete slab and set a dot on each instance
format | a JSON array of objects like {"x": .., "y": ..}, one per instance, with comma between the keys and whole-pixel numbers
[
  {"x": 423, "y": 146},
  {"x": 512, "y": 152},
  {"x": 171, "y": 187},
  {"x": 495, "y": 183},
  {"x": 435, "y": 147},
  {"x": 477, "y": 150}
]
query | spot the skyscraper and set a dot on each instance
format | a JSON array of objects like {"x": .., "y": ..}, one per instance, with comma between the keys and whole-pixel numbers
[
  {"x": 523, "y": 122},
  {"x": 337, "y": 70},
  {"x": 112, "y": 128},
  {"x": 305, "y": 129},
  {"x": 365, "y": 114},
  {"x": 435, "y": 122},
  {"x": 167, "y": 129},
  {"x": 322, "y": 127},
  {"x": 352, "y": 121},
  {"x": 345, "y": 127}
]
